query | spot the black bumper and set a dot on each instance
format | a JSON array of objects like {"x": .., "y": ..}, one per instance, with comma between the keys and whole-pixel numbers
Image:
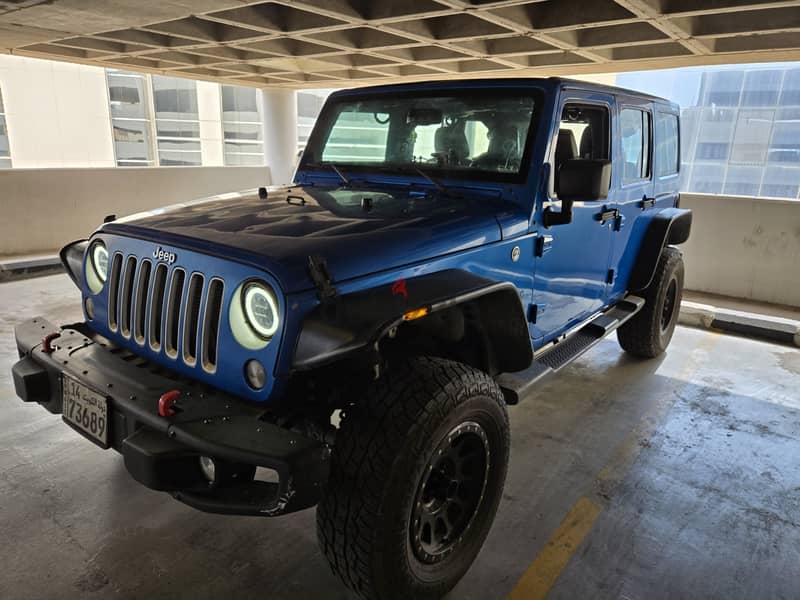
[{"x": 163, "y": 453}]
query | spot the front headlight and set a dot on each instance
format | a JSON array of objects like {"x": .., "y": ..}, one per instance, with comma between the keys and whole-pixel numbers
[
  {"x": 254, "y": 314},
  {"x": 97, "y": 266},
  {"x": 260, "y": 309}
]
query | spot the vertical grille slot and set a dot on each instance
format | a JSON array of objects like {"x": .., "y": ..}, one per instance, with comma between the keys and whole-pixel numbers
[
  {"x": 174, "y": 312},
  {"x": 126, "y": 297},
  {"x": 113, "y": 291},
  {"x": 157, "y": 305},
  {"x": 191, "y": 319},
  {"x": 211, "y": 318},
  {"x": 140, "y": 305}
]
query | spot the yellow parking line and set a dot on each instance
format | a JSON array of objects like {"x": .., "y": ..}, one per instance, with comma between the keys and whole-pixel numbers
[{"x": 547, "y": 566}]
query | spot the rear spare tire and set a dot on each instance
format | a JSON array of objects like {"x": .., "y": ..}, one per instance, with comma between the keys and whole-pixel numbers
[{"x": 417, "y": 474}]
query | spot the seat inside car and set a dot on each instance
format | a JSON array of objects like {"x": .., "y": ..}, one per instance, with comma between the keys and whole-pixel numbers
[{"x": 566, "y": 149}]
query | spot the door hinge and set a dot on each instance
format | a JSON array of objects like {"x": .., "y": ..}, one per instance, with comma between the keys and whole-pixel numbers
[
  {"x": 610, "y": 276},
  {"x": 606, "y": 215},
  {"x": 544, "y": 244},
  {"x": 619, "y": 222},
  {"x": 647, "y": 203}
]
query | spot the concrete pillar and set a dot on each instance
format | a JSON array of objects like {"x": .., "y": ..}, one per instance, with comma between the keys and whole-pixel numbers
[{"x": 279, "y": 110}]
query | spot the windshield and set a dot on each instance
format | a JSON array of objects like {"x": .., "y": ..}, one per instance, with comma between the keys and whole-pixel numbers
[{"x": 454, "y": 134}]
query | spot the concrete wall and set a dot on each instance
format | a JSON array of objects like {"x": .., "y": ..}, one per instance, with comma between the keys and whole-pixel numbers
[
  {"x": 43, "y": 209},
  {"x": 744, "y": 247},
  {"x": 57, "y": 114}
]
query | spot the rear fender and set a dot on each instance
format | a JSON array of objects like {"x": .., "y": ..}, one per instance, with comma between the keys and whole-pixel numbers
[
  {"x": 670, "y": 226},
  {"x": 347, "y": 325}
]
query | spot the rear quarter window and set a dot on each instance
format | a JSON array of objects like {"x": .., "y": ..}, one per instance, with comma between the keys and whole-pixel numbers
[{"x": 666, "y": 144}]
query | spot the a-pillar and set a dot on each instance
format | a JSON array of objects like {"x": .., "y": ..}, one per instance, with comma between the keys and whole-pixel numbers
[{"x": 280, "y": 133}]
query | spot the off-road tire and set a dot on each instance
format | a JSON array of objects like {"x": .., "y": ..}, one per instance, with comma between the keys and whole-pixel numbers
[
  {"x": 378, "y": 473},
  {"x": 648, "y": 333}
]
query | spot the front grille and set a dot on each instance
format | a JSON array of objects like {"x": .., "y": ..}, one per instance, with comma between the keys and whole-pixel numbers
[{"x": 172, "y": 313}]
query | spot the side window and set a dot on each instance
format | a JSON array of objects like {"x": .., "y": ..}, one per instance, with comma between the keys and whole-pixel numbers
[
  {"x": 636, "y": 136},
  {"x": 666, "y": 144},
  {"x": 583, "y": 133}
]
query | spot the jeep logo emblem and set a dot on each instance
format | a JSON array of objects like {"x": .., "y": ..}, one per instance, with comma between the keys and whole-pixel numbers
[{"x": 168, "y": 257}]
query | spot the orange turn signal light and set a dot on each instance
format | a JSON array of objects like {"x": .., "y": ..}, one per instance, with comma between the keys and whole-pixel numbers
[{"x": 415, "y": 314}]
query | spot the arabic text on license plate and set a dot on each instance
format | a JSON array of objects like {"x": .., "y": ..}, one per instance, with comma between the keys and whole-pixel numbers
[{"x": 85, "y": 409}]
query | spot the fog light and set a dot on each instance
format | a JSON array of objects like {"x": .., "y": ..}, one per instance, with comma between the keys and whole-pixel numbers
[
  {"x": 90, "y": 308},
  {"x": 209, "y": 468},
  {"x": 256, "y": 376}
]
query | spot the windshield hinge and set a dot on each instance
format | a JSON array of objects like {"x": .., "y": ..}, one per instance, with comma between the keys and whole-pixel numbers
[{"x": 318, "y": 270}]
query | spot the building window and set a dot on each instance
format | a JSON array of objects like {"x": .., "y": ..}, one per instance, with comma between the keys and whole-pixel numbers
[
  {"x": 780, "y": 182},
  {"x": 752, "y": 136},
  {"x": 309, "y": 105},
  {"x": 177, "y": 121},
  {"x": 708, "y": 180},
  {"x": 667, "y": 139},
  {"x": 723, "y": 88},
  {"x": 635, "y": 125},
  {"x": 742, "y": 181},
  {"x": 5, "y": 146},
  {"x": 761, "y": 88},
  {"x": 785, "y": 146},
  {"x": 242, "y": 126},
  {"x": 131, "y": 122}
]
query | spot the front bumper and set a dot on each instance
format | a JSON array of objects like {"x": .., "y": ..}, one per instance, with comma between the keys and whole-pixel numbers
[{"x": 163, "y": 453}]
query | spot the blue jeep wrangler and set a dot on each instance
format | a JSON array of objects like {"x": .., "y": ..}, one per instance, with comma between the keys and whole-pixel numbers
[{"x": 357, "y": 336}]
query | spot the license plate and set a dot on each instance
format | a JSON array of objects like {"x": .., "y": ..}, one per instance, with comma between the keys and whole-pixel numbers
[{"x": 86, "y": 410}]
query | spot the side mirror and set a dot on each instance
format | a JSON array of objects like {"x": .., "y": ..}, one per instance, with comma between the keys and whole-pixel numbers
[{"x": 579, "y": 179}]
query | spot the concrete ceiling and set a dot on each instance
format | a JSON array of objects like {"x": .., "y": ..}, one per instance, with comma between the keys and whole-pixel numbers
[{"x": 333, "y": 43}]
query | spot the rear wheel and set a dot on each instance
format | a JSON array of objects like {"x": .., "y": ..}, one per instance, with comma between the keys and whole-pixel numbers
[
  {"x": 416, "y": 477},
  {"x": 649, "y": 333}
]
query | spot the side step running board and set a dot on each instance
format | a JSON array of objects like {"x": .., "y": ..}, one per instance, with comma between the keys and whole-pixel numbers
[{"x": 556, "y": 357}]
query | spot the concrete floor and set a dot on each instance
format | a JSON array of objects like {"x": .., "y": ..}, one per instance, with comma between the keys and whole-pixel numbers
[{"x": 691, "y": 461}]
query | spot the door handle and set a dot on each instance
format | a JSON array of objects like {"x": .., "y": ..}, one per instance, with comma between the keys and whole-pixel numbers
[
  {"x": 543, "y": 245},
  {"x": 606, "y": 215}
]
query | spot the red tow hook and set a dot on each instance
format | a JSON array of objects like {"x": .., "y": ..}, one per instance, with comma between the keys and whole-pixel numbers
[
  {"x": 47, "y": 347},
  {"x": 165, "y": 403}
]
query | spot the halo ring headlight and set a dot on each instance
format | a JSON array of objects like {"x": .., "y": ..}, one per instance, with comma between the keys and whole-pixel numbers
[
  {"x": 97, "y": 266},
  {"x": 260, "y": 309},
  {"x": 100, "y": 260}
]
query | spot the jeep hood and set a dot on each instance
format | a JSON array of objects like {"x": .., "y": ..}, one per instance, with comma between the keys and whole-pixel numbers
[{"x": 357, "y": 231}]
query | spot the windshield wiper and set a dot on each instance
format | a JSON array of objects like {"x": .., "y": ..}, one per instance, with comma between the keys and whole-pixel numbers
[
  {"x": 345, "y": 179},
  {"x": 439, "y": 185}
]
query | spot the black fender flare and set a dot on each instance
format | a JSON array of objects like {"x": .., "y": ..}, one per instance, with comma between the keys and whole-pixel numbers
[
  {"x": 668, "y": 227},
  {"x": 351, "y": 323},
  {"x": 71, "y": 257}
]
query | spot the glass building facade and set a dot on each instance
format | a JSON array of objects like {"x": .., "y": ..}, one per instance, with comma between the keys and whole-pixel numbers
[
  {"x": 131, "y": 118},
  {"x": 177, "y": 121},
  {"x": 5, "y": 147},
  {"x": 155, "y": 121},
  {"x": 242, "y": 126},
  {"x": 740, "y": 126}
]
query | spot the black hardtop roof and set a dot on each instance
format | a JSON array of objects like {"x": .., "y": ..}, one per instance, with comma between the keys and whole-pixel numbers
[{"x": 546, "y": 82}]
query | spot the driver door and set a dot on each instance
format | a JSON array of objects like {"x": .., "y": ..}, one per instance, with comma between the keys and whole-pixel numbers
[{"x": 572, "y": 268}]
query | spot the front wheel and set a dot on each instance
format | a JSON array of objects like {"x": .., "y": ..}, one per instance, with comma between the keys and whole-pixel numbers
[
  {"x": 416, "y": 476},
  {"x": 649, "y": 333}
]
